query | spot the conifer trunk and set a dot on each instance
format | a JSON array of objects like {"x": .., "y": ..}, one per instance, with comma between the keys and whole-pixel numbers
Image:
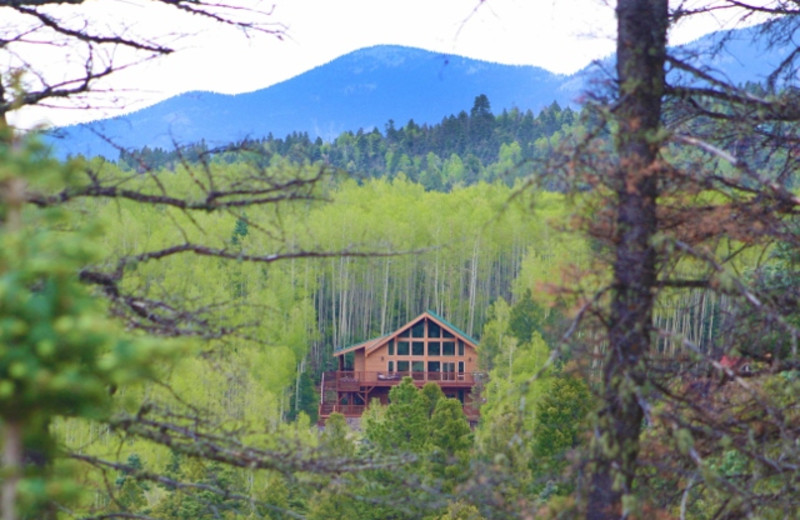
[
  {"x": 12, "y": 465},
  {"x": 641, "y": 40}
]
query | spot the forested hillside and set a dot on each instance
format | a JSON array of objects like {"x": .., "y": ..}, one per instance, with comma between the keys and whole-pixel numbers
[
  {"x": 363, "y": 246},
  {"x": 263, "y": 335},
  {"x": 462, "y": 149},
  {"x": 492, "y": 258}
]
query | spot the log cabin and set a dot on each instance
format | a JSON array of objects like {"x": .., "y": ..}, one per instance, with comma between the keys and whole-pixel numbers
[{"x": 427, "y": 348}]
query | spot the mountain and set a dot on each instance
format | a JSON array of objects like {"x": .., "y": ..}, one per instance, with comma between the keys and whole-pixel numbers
[
  {"x": 368, "y": 87},
  {"x": 363, "y": 89}
]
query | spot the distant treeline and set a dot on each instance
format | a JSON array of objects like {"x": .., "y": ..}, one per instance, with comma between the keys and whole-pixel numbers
[{"x": 460, "y": 150}]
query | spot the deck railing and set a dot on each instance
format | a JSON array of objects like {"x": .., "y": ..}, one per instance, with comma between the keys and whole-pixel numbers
[
  {"x": 348, "y": 410},
  {"x": 344, "y": 379},
  {"x": 353, "y": 381}
]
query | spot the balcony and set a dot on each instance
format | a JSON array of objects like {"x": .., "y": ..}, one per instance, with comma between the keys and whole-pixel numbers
[
  {"x": 366, "y": 383},
  {"x": 348, "y": 410},
  {"x": 349, "y": 380}
]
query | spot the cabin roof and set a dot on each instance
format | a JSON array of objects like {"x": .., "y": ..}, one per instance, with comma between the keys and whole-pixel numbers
[
  {"x": 364, "y": 344},
  {"x": 466, "y": 337},
  {"x": 372, "y": 344}
]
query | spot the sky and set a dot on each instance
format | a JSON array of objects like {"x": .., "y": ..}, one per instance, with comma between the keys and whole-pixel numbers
[{"x": 561, "y": 36}]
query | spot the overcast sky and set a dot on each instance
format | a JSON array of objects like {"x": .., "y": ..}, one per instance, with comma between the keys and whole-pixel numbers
[{"x": 559, "y": 35}]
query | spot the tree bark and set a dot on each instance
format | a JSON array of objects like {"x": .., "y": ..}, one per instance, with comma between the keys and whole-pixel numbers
[
  {"x": 641, "y": 42},
  {"x": 12, "y": 466}
]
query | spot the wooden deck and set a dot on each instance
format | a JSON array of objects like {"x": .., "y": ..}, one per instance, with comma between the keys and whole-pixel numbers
[
  {"x": 336, "y": 383},
  {"x": 352, "y": 380}
]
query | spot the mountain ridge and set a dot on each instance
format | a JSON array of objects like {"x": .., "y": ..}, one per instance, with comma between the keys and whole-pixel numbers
[
  {"x": 369, "y": 87},
  {"x": 362, "y": 89}
]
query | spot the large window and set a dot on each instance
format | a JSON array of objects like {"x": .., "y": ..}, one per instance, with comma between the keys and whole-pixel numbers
[
  {"x": 425, "y": 339},
  {"x": 434, "y": 330},
  {"x": 418, "y": 330},
  {"x": 449, "y": 348},
  {"x": 402, "y": 348},
  {"x": 418, "y": 366},
  {"x": 402, "y": 366}
]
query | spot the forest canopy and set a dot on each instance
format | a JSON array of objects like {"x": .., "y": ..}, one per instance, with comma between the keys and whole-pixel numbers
[{"x": 461, "y": 150}]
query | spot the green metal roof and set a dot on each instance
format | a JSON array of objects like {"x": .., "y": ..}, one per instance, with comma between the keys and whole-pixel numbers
[
  {"x": 357, "y": 343},
  {"x": 451, "y": 326}
]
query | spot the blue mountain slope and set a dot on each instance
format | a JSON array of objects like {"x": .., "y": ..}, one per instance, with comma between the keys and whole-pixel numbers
[
  {"x": 363, "y": 89},
  {"x": 738, "y": 57},
  {"x": 368, "y": 87}
]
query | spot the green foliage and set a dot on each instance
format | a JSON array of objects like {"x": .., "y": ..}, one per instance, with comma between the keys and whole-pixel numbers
[
  {"x": 404, "y": 427},
  {"x": 431, "y": 394},
  {"x": 305, "y": 399},
  {"x": 461, "y": 150},
  {"x": 59, "y": 353},
  {"x": 434, "y": 447},
  {"x": 60, "y": 356},
  {"x": 526, "y": 318},
  {"x": 205, "y": 504},
  {"x": 560, "y": 428},
  {"x": 561, "y": 416},
  {"x": 495, "y": 337},
  {"x": 130, "y": 492},
  {"x": 450, "y": 434},
  {"x": 336, "y": 438},
  {"x": 240, "y": 230},
  {"x": 450, "y": 444},
  {"x": 533, "y": 415},
  {"x": 461, "y": 511}
]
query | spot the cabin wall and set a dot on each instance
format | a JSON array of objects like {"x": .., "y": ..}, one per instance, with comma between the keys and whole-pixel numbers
[
  {"x": 429, "y": 361},
  {"x": 358, "y": 361}
]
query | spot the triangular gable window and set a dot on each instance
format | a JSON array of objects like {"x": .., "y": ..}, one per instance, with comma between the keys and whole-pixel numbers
[
  {"x": 434, "y": 330},
  {"x": 418, "y": 329}
]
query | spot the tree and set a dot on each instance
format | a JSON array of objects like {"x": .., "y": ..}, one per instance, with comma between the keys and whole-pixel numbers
[
  {"x": 561, "y": 422},
  {"x": 526, "y": 318},
  {"x": 641, "y": 56},
  {"x": 90, "y": 45},
  {"x": 689, "y": 183},
  {"x": 305, "y": 399},
  {"x": 450, "y": 444},
  {"x": 130, "y": 492},
  {"x": 60, "y": 356},
  {"x": 403, "y": 428}
]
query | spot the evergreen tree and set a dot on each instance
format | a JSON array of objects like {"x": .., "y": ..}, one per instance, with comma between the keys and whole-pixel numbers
[
  {"x": 405, "y": 423},
  {"x": 130, "y": 491},
  {"x": 59, "y": 354},
  {"x": 450, "y": 444},
  {"x": 526, "y": 318},
  {"x": 304, "y": 399},
  {"x": 431, "y": 394}
]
